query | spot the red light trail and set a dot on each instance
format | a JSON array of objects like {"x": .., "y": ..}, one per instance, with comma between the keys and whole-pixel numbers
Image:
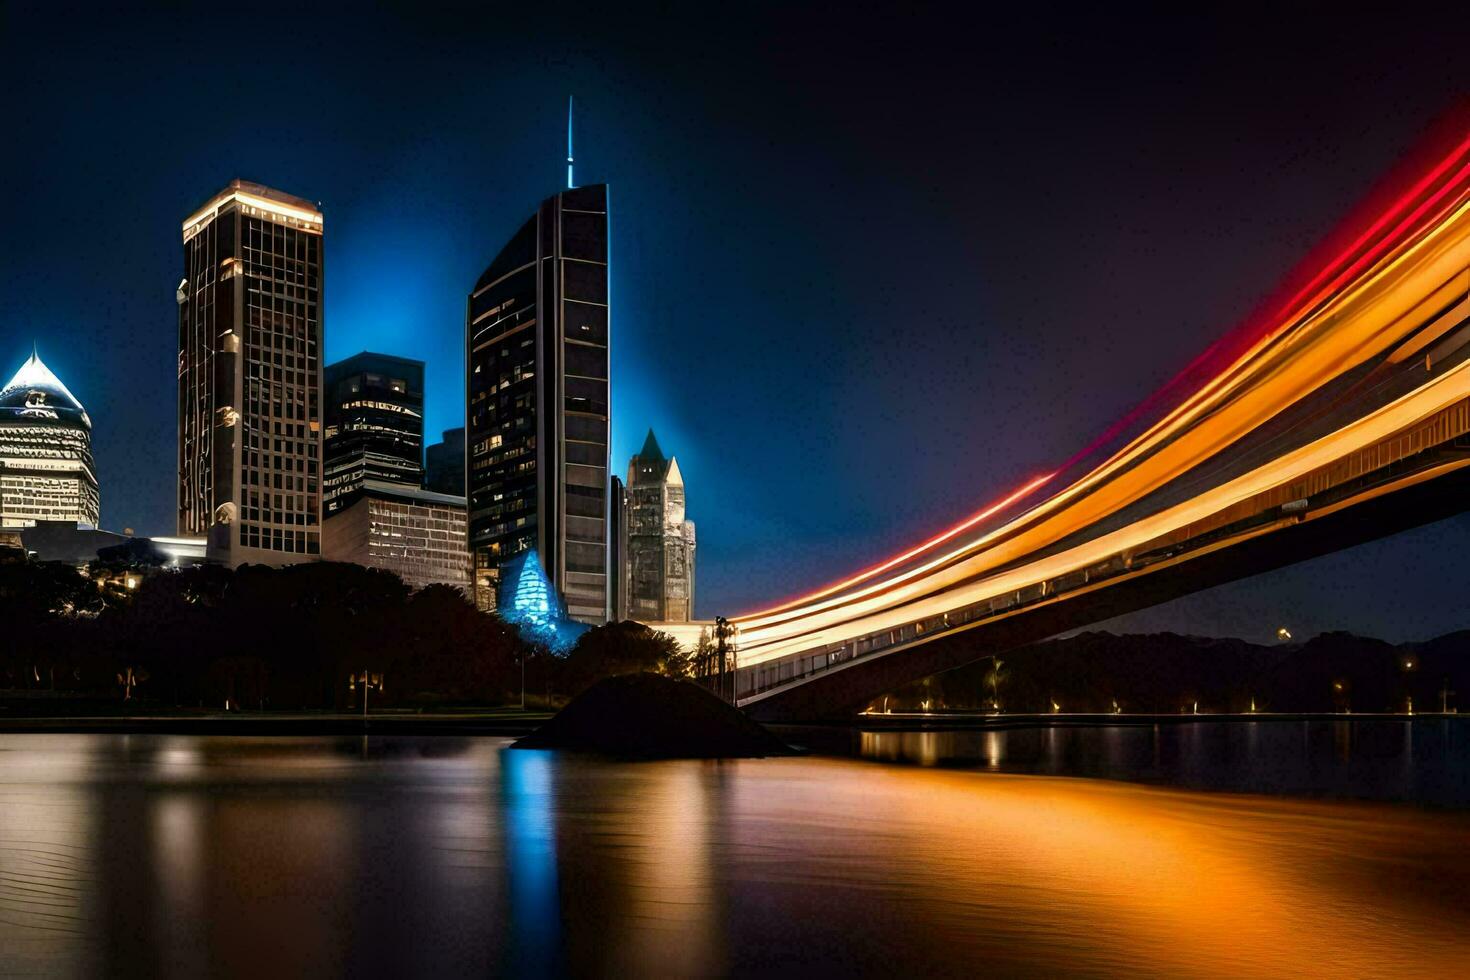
[{"x": 1356, "y": 307}]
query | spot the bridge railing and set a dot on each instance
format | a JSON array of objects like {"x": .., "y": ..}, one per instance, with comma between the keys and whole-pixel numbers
[{"x": 1382, "y": 463}]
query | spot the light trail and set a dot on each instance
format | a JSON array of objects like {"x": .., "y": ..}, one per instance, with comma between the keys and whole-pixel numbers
[
  {"x": 876, "y": 615},
  {"x": 1210, "y": 404},
  {"x": 1283, "y": 319},
  {"x": 1369, "y": 302},
  {"x": 969, "y": 522},
  {"x": 1284, "y": 314}
]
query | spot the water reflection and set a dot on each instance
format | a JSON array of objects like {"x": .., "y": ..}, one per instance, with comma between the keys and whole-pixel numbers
[
  {"x": 47, "y": 912},
  {"x": 530, "y": 847},
  {"x": 1420, "y": 761},
  {"x": 178, "y": 841},
  {"x": 422, "y": 857}
]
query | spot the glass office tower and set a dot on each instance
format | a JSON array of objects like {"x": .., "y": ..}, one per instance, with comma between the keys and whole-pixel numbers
[
  {"x": 250, "y": 335},
  {"x": 536, "y": 394},
  {"x": 374, "y": 426}
]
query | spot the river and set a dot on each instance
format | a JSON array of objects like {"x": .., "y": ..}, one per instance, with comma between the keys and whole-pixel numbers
[{"x": 1209, "y": 852}]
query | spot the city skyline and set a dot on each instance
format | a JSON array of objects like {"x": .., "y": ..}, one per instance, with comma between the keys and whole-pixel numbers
[{"x": 1308, "y": 185}]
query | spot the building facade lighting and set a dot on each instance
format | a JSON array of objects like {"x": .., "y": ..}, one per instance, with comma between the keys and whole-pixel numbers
[
  {"x": 46, "y": 468},
  {"x": 250, "y": 342}
]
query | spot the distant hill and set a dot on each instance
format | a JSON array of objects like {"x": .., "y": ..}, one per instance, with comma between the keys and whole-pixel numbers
[{"x": 1167, "y": 673}]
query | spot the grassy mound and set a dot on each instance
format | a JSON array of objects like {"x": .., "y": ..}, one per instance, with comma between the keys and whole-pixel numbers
[{"x": 653, "y": 717}]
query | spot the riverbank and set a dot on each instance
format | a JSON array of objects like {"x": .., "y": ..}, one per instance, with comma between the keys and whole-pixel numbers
[
  {"x": 493, "y": 721},
  {"x": 932, "y": 721},
  {"x": 513, "y": 722}
]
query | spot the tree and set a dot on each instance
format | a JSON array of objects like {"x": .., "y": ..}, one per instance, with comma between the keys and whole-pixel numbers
[
  {"x": 622, "y": 648},
  {"x": 41, "y": 604},
  {"x": 454, "y": 652},
  {"x": 704, "y": 661},
  {"x": 237, "y": 682},
  {"x": 31, "y": 592}
]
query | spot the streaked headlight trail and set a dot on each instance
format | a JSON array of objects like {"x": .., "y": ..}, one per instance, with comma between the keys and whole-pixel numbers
[{"x": 1372, "y": 345}]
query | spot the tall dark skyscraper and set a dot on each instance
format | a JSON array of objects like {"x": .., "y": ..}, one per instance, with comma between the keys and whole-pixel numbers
[
  {"x": 250, "y": 339},
  {"x": 374, "y": 415},
  {"x": 536, "y": 404}
]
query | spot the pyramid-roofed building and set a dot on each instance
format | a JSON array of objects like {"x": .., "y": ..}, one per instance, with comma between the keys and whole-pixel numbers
[
  {"x": 46, "y": 467},
  {"x": 660, "y": 552}
]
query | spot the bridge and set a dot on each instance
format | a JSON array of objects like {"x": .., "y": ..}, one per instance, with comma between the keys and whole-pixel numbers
[{"x": 1340, "y": 416}]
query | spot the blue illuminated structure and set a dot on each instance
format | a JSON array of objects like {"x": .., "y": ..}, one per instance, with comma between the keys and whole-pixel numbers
[{"x": 527, "y": 600}]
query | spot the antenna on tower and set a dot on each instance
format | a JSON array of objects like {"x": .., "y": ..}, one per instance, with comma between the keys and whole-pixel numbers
[{"x": 570, "y": 182}]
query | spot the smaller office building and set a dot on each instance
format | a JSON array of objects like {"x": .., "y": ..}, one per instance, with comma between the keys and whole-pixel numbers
[
  {"x": 416, "y": 534},
  {"x": 374, "y": 410}
]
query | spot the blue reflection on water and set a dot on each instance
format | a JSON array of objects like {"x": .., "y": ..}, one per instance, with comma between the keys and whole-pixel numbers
[{"x": 535, "y": 945}]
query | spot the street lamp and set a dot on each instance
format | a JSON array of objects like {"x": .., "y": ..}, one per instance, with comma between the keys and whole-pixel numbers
[{"x": 366, "y": 680}]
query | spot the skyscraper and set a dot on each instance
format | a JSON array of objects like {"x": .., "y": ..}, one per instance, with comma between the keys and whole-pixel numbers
[
  {"x": 374, "y": 415},
  {"x": 46, "y": 469},
  {"x": 536, "y": 404},
  {"x": 250, "y": 335},
  {"x": 660, "y": 541},
  {"x": 444, "y": 464},
  {"x": 617, "y": 550}
]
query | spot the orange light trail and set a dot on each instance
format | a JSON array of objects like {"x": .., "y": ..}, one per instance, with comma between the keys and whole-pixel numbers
[
  {"x": 913, "y": 552},
  {"x": 1364, "y": 306},
  {"x": 1288, "y": 311},
  {"x": 1285, "y": 313}
]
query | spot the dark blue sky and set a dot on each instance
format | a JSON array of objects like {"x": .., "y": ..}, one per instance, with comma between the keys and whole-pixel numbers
[{"x": 871, "y": 268}]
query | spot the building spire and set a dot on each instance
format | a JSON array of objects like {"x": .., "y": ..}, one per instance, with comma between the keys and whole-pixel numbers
[
  {"x": 651, "y": 450},
  {"x": 570, "y": 182}
]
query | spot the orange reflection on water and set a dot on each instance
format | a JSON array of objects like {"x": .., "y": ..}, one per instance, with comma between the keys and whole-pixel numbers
[
  {"x": 165, "y": 857},
  {"x": 1086, "y": 876},
  {"x": 647, "y": 900}
]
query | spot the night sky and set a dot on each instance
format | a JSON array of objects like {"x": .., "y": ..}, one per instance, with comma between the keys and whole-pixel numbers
[{"x": 871, "y": 269}]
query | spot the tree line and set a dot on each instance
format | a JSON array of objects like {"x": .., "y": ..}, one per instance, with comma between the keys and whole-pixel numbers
[
  {"x": 262, "y": 638},
  {"x": 1165, "y": 673}
]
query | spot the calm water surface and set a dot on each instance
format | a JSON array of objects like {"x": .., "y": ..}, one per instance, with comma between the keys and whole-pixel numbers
[
  {"x": 191, "y": 856},
  {"x": 1424, "y": 760}
]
